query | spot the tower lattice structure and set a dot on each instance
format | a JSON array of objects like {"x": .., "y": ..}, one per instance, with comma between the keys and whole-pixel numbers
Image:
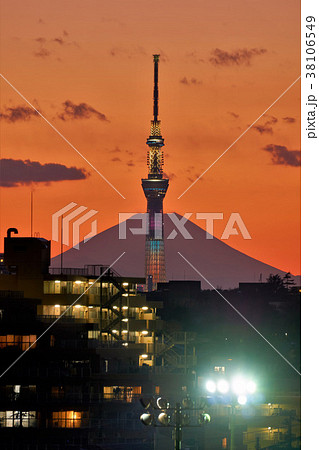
[{"x": 155, "y": 187}]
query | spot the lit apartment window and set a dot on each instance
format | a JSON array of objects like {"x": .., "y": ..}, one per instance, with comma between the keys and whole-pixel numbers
[
  {"x": 78, "y": 287},
  {"x": 93, "y": 312},
  {"x": 93, "y": 334},
  {"x": 57, "y": 287},
  {"x": 219, "y": 369},
  {"x": 16, "y": 391},
  {"x": 57, "y": 391},
  {"x": 11, "y": 419},
  {"x": 124, "y": 393},
  {"x": 23, "y": 342},
  {"x": 66, "y": 419}
]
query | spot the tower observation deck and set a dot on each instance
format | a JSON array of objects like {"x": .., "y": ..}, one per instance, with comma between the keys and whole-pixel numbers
[{"x": 155, "y": 187}]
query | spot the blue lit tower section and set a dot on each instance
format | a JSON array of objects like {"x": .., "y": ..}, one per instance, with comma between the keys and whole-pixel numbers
[{"x": 155, "y": 187}]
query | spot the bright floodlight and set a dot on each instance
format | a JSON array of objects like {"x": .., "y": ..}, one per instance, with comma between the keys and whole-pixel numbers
[
  {"x": 211, "y": 386},
  {"x": 242, "y": 399},
  {"x": 162, "y": 403},
  {"x": 147, "y": 419},
  {"x": 164, "y": 419},
  {"x": 223, "y": 386},
  {"x": 204, "y": 418},
  {"x": 251, "y": 387},
  {"x": 239, "y": 386}
]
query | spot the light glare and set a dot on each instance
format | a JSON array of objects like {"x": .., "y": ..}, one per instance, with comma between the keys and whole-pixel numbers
[
  {"x": 223, "y": 386},
  {"x": 242, "y": 399},
  {"x": 251, "y": 387},
  {"x": 211, "y": 386},
  {"x": 239, "y": 386}
]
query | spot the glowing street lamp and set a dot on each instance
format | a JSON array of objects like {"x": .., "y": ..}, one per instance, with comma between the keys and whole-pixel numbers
[
  {"x": 242, "y": 399},
  {"x": 211, "y": 386},
  {"x": 251, "y": 387},
  {"x": 239, "y": 385},
  {"x": 223, "y": 386},
  {"x": 147, "y": 419}
]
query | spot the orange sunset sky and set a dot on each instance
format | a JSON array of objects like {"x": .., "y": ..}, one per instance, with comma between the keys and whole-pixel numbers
[{"x": 223, "y": 63}]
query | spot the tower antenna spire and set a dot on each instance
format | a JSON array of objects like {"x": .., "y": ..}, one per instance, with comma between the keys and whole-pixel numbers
[
  {"x": 155, "y": 187},
  {"x": 155, "y": 95}
]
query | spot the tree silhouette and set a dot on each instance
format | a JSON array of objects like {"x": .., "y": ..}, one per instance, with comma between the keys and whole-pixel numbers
[
  {"x": 276, "y": 283},
  {"x": 288, "y": 280}
]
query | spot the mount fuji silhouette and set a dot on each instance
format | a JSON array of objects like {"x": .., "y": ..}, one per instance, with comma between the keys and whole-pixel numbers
[{"x": 223, "y": 266}]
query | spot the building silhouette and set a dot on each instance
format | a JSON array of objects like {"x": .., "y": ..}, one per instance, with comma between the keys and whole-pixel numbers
[
  {"x": 155, "y": 188},
  {"x": 94, "y": 345}
]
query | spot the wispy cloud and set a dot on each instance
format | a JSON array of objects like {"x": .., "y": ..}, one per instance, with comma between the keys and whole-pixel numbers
[
  {"x": 190, "y": 82},
  {"x": 72, "y": 111},
  {"x": 263, "y": 129},
  {"x": 42, "y": 53},
  {"x": 18, "y": 172},
  {"x": 169, "y": 175},
  {"x": 280, "y": 155},
  {"x": 266, "y": 127},
  {"x": 289, "y": 119},
  {"x": 194, "y": 56},
  {"x": 18, "y": 114},
  {"x": 48, "y": 47},
  {"x": 59, "y": 41},
  {"x": 191, "y": 175},
  {"x": 116, "y": 150},
  {"x": 41, "y": 40},
  {"x": 236, "y": 116},
  {"x": 235, "y": 58},
  {"x": 127, "y": 52},
  {"x": 271, "y": 120}
]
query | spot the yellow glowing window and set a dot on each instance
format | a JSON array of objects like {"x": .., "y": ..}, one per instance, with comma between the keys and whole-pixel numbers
[
  {"x": 66, "y": 419},
  {"x": 25, "y": 419},
  {"x": 23, "y": 342},
  {"x": 123, "y": 393}
]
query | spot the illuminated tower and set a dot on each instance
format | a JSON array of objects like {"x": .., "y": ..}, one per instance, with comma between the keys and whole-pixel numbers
[{"x": 155, "y": 187}]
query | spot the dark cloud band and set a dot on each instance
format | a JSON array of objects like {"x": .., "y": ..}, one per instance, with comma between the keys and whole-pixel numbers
[
  {"x": 280, "y": 155},
  {"x": 18, "y": 114},
  {"x": 71, "y": 111},
  {"x": 18, "y": 172},
  {"x": 235, "y": 58}
]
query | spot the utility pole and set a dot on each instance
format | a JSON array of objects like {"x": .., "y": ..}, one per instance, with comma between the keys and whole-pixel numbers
[
  {"x": 289, "y": 433},
  {"x": 181, "y": 419},
  {"x": 232, "y": 427},
  {"x": 101, "y": 304},
  {"x": 31, "y": 214},
  {"x": 61, "y": 256},
  {"x": 257, "y": 443},
  {"x": 178, "y": 427}
]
